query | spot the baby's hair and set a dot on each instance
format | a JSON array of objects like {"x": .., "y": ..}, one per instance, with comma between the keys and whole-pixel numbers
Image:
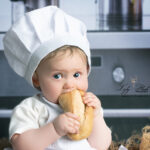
[{"x": 64, "y": 49}]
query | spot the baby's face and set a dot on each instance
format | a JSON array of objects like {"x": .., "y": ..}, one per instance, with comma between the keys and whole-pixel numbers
[{"x": 61, "y": 74}]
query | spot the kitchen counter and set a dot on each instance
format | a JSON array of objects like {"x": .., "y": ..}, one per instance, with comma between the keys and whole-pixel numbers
[
  {"x": 119, "y": 40},
  {"x": 113, "y": 40}
]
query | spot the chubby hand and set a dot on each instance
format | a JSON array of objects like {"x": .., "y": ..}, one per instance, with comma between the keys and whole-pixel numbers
[
  {"x": 66, "y": 123},
  {"x": 92, "y": 100}
]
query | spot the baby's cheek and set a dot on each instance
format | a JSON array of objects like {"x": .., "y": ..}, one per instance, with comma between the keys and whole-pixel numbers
[{"x": 84, "y": 85}]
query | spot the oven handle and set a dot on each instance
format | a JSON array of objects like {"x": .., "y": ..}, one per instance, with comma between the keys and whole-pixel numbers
[
  {"x": 108, "y": 113},
  {"x": 126, "y": 113}
]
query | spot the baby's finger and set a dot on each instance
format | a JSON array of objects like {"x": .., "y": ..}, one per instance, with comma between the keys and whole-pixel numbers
[
  {"x": 88, "y": 100},
  {"x": 73, "y": 126},
  {"x": 92, "y": 104},
  {"x": 73, "y": 130},
  {"x": 71, "y": 115},
  {"x": 73, "y": 122},
  {"x": 89, "y": 95}
]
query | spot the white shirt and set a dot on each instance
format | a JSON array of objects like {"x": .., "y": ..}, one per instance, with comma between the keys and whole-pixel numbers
[{"x": 34, "y": 112}]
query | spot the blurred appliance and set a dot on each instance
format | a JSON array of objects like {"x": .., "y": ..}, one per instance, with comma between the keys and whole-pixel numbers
[
  {"x": 34, "y": 4},
  {"x": 11, "y": 10},
  {"x": 19, "y": 7},
  {"x": 120, "y": 14}
]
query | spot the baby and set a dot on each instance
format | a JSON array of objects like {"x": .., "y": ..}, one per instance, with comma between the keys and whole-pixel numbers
[{"x": 50, "y": 50}]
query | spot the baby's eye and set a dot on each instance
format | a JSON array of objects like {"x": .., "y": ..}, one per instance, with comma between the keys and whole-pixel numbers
[
  {"x": 57, "y": 76},
  {"x": 76, "y": 75}
]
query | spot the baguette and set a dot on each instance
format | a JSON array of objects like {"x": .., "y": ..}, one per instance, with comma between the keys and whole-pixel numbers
[{"x": 72, "y": 102}]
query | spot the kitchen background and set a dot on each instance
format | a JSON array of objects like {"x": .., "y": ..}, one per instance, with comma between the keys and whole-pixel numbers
[{"x": 119, "y": 34}]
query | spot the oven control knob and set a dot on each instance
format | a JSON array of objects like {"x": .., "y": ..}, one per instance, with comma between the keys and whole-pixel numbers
[{"x": 118, "y": 74}]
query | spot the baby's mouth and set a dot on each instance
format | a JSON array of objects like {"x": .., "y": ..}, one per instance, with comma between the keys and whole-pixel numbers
[
  {"x": 65, "y": 91},
  {"x": 68, "y": 90}
]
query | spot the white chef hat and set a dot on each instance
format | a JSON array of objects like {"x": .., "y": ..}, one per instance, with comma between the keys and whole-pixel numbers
[{"x": 38, "y": 33}]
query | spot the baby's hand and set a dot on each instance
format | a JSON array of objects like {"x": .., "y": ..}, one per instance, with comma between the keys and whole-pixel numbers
[
  {"x": 66, "y": 123},
  {"x": 91, "y": 100}
]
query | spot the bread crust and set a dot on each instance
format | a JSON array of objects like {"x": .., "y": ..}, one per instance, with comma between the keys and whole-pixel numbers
[
  {"x": 72, "y": 102},
  {"x": 145, "y": 139}
]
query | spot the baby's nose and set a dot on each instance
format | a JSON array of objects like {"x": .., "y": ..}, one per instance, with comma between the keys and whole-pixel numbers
[{"x": 69, "y": 84}]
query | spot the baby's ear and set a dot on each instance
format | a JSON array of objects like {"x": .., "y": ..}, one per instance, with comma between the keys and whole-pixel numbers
[
  {"x": 35, "y": 80},
  {"x": 88, "y": 68}
]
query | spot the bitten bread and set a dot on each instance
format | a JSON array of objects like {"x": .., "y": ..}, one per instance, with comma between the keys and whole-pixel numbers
[{"x": 72, "y": 102}]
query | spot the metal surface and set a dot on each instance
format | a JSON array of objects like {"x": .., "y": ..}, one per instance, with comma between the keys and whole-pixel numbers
[
  {"x": 128, "y": 113},
  {"x": 120, "y": 14},
  {"x": 111, "y": 113},
  {"x": 35, "y": 4},
  {"x": 32, "y": 4},
  {"x": 5, "y": 113},
  {"x": 134, "y": 62},
  {"x": 114, "y": 40},
  {"x": 119, "y": 40}
]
